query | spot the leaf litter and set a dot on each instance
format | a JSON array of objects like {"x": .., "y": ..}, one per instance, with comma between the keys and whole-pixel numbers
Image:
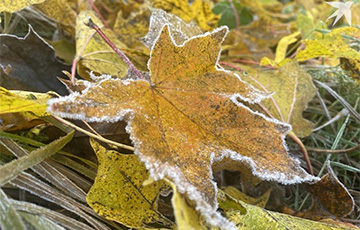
[{"x": 276, "y": 27}]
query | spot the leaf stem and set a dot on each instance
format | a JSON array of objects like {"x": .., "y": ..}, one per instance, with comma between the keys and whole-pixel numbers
[
  {"x": 92, "y": 25},
  {"x": 292, "y": 135},
  {"x": 100, "y": 138},
  {"x": 78, "y": 58},
  {"x": 98, "y": 13}
]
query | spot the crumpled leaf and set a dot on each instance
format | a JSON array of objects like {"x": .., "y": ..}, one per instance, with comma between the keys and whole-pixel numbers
[
  {"x": 333, "y": 45},
  {"x": 118, "y": 193},
  {"x": 330, "y": 198},
  {"x": 33, "y": 63},
  {"x": 12, "y": 6},
  {"x": 198, "y": 11},
  {"x": 180, "y": 31},
  {"x": 227, "y": 202},
  {"x": 281, "y": 49},
  {"x": 212, "y": 127},
  {"x": 293, "y": 89}
]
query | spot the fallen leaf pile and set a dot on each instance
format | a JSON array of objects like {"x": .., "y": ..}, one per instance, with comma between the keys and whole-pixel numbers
[{"x": 192, "y": 134}]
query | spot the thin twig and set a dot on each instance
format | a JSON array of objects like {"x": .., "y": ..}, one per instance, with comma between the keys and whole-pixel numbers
[
  {"x": 77, "y": 58},
  {"x": 91, "y": 128},
  {"x": 98, "y": 13},
  {"x": 295, "y": 138},
  {"x": 100, "y": 138},
  {"x": 92, "y": 25}
]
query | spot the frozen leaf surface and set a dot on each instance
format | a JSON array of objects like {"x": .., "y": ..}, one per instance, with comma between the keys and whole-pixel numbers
[
  {"x": 180, "y": 30},
  {"x": 188, "y": 117}
]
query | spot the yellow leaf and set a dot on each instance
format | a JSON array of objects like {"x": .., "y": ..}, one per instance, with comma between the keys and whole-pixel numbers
[
  {"x": 60, "y": 11},
  {"x": 203, "y": 14},
  {"x": 227, "y": 202},
  {"x": 198, "y": 11},
  {"x": 185, "y": 215},
  {"x": 132, "y": 28},
  {"x": 333, "y": 45},
  {"x": 21, "y": 101},
  {"x": 261, "y": 201},
  {"x": 259, "y": 218},
  {"x": 118, "y": 193},
  {"x": 95, "y": 54},
  {"x": 293, "y": 89},
  {"x": 283, "y": 45},
  {"x": 11, "y": 6},
  {"x": 281, "y": 49},
  {"x": 180, "y": 31}
]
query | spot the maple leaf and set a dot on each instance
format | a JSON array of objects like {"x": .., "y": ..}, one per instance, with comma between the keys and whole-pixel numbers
[{"x": 187, "y": 117}]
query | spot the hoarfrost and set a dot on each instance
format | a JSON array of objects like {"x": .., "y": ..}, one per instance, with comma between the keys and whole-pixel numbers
[
  {"x": 157, "y": 169},
  {"x": 180, "y": 30}
]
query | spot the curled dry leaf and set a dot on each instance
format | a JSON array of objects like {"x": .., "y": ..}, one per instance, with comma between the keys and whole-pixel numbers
[
  {"x": 330, "y": 199},
  {"x": 188, "y": 117}
]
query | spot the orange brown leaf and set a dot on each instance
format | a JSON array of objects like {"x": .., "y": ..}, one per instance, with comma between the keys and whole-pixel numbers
[{"x": 187, "y": 118}]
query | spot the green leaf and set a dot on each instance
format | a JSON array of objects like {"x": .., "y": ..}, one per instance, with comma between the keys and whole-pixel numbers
[{"x": 228, "y": 16}]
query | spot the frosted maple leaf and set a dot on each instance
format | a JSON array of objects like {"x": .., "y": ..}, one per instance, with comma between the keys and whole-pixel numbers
[{"x": 343, "y": 9}]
